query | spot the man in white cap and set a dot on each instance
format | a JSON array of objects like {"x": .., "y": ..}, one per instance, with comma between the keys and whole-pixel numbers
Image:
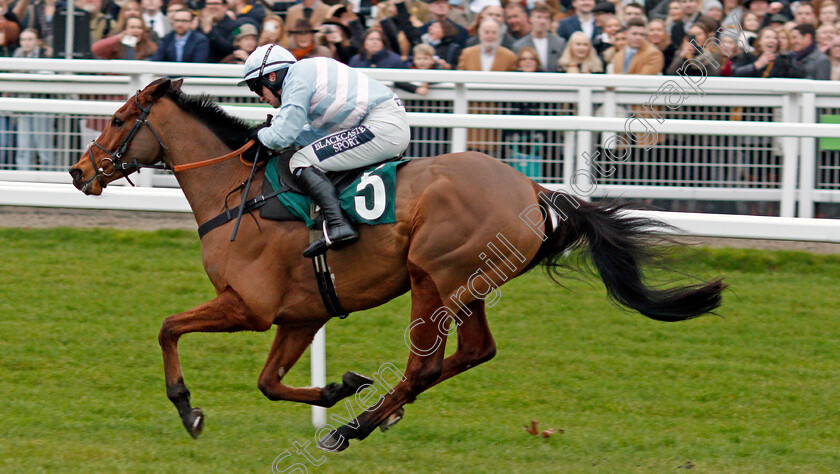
[{"x": 342, "y": 118}]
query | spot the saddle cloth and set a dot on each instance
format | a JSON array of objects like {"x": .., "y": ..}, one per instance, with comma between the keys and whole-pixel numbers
[{"x": 367, "y": 195}]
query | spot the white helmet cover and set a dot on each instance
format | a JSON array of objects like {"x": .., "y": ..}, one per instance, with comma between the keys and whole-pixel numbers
[{"x": 265, "y": 59}]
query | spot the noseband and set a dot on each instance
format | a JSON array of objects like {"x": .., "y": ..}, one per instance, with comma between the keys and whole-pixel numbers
[{"x": 115, "y": 156}]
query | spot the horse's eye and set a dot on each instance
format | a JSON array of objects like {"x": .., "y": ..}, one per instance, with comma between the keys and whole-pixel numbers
[{"x": 117, "y": 122}]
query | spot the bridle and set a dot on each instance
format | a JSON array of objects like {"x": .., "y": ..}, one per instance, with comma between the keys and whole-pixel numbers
[{"x": 115, "y": 156}]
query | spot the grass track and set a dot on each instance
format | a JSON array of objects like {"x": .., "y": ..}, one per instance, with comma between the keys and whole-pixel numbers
[{"x": 82, "y": 382}]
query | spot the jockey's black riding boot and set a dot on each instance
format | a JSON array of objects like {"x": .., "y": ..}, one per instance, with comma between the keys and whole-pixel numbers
[{"x": 337, "y": 228}]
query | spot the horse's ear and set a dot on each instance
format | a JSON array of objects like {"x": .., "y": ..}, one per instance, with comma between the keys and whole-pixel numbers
[
  {"x": 176, "y": 84},
  {"x": 158, "y": 88}
]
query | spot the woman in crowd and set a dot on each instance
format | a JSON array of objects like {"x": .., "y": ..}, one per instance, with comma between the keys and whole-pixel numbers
[
  {"x": 733, "y": 10},
  {"x": 130, "y": 9},
  {"x": 40, "y": 17},
  {"x": 527, "y": 60},
  {"x": 273, "y": 31},
  {"x": 659, "y": 37},
  {"x": 707, "y": 62},
  {"x": 766, "y": 60},
  {"x": 133, "y": 42},
  {"x": 834, "y": 57},
  {"x": 579, "y": 57},
  {"x": 619, "y": 43},
  {"x": 784, "y": 39},
  {"x": 35, "y": 131},
  {"x": 375, "y": 53},
  {"x": 825, "y": 37},
  {"x": 731, "y": 49},
  {"x": 443, "y": 37},
  {"x": 828, "y": 12},
  {"x": 611, "y": 25},
  {"x": 749, "y": 22}
]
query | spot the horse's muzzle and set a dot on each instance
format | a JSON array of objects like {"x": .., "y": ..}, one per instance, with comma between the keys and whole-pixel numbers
[{"x": 77, "y": 176}]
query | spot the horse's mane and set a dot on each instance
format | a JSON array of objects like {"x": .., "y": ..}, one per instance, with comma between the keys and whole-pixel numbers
[{"x": 231, "y": 130}]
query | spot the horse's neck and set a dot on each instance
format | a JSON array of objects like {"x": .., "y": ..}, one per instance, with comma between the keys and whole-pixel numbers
[{"x": 206, "y": 187}]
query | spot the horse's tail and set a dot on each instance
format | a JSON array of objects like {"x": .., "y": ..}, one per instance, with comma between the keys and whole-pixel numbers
[{"x": 619, "y": 244}]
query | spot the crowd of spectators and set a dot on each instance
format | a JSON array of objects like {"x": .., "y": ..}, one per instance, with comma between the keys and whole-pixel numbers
[{"x": 757, "y": 38}]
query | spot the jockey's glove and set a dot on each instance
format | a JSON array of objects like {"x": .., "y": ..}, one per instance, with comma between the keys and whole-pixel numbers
[{"x": 254, "y": 133}]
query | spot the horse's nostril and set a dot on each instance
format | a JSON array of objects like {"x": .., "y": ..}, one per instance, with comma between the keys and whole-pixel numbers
[{"x": 76, "y": 174}]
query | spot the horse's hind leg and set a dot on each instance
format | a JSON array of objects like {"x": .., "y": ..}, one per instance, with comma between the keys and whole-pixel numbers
[
  {"x": 475, "y": 346},
  {"x": 425, "y": 363},
  {"x": 226, "y": 313},
  {"x": 288, "y": 345}
]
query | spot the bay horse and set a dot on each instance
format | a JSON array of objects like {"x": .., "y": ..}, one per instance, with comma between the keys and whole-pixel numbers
[{"x": 459, "y": 217}]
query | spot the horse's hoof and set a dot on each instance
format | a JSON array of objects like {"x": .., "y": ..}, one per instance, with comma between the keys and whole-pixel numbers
[
  {"x": 194, "y": 422},
  {"x": 333, "y": 442},
  {"x": 351, "y": 382},
  {"x": 392, "y": 420}
]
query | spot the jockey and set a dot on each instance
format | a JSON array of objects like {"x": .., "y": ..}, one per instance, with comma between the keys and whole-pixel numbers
[{"x": 342, "y": 119}]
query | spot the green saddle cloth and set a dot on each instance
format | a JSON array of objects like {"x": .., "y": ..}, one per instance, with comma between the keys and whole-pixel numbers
[{"x": 369, "y": 199}]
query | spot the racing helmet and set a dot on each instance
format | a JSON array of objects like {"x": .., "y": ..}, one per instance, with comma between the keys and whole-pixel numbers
[{"x": 265, "y": 59}]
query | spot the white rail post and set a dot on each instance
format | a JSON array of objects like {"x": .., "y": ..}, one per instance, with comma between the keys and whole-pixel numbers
[
  {"x": 459, "y": 106},
  {"x": 318, "y": 375},
  {"x": 808, "y": 153},
  {"x": 790, "y": 158},
  {"x": 582, "y": 180}
]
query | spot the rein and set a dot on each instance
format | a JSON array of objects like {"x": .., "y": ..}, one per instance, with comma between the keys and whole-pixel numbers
[{"x": 115, "y": 156}]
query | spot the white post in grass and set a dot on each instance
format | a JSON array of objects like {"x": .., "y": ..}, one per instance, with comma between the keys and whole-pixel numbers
[{"x": 318, "y": 353}]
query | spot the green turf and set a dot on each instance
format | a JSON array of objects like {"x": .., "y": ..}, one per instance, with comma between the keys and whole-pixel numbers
[{"x": 82, "y": 390}]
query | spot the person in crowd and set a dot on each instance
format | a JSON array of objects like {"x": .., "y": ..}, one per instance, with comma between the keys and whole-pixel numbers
[
  {"x": 496, "y": 13},
  {"x": 784, "y": 39},
  {"x": 9, "y": 34},
  {"x": 659, "y": 37},
  {"x": 313, "y": 10},
  {"x": 375, "y": 53},
  {"x": 438, "y": 10},
  {"x": 713, "y": 9},
  {"x": 582, "y": 20},
  {"x": 133, "y": 42},
  {"x": 828, "y": 12},
  {"x": 766, "y": 59},
  {"x": 273, "y": 31},
  {"x": 244, "y": 43},
  {"x": 834, "y": 59},
  {"x": 806, "y": 55},
  {"x": 218, "y": 24},
  {"x": 101, "y": 25},
  {"x": 618, "y": 44},
  {"x": 549, "y": 47},
  {"x": 488, "y": 55},
  {"x": 733, "y": 10},
  {"x": 729, "y": 41},
  {"x": 172, "y": 7},
  {"x": 750, "y": 22},
  {"x": 675, "y": 22},
  {"x": 337, "y": 39},
  {"x": 35, "y": 132},
  {"x": 761, "y": 10},
  {"x": 314, "y": 115},
  {"x": 516, "y": 16},
  {"x": 443, "y": 37},
  {"x": 691, "y": 11},
  {"x": 692, "y": 58},
  {"x": 354, "y": 26},
  {"x": 805, "y": 14},
  {"x": 422, "y": 57},
  {"x": 634, "y": 10},
  {"x": 155, "y": 18},
  {"x": 130, "y": 9},
  {"x": 639, "y": 56},
  {"x": 825, "y": 36},
  {"x": 39, "y": 16},
  {"x": 247, "y": 11},
  {"x": 183, "y": 44},
  {"x": 527, "y": 60},
  {"x": 302, "y": 42},
  {"x": 608, "y": 23},
  {"x": 580, "y": 56}
]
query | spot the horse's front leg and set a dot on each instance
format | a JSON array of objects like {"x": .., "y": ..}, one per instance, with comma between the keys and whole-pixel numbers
[
  {"x": 226, "y": 313},
  {"x": 289, "y": 344}
]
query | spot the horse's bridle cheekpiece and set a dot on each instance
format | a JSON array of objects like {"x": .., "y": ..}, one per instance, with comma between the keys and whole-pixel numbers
[{"x": 115, "y": 157}]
